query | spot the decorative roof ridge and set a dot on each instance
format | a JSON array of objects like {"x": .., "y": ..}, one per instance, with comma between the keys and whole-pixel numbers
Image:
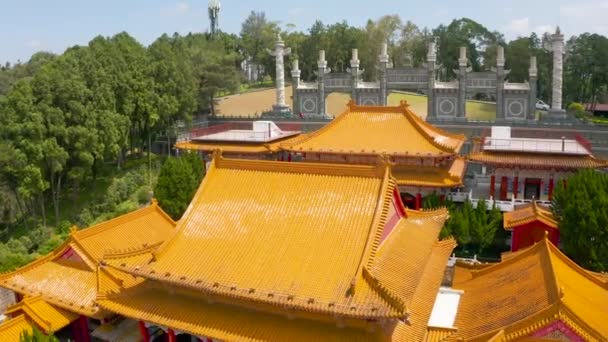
[
  {"x": 558, "y": 291},
  {"x": 111, "y": 223},
  {"x": 530, "y": 250},
  {"x": 375, "y": 231},
  {"x": 457, "y": 169},
  {"x": 329, "y": 169},
  {"x": 86, "y": 257},
  {"x": 305, "y": 137},
  {"x": 42, "y": 322},
  {"x": 418, "y": 123},
  {"x": 525, "y": 326},
  {"x": 223, "y": 292},
  {"x": 553, "y": 250},
  {"x": 384, "y": 292},
  {"x": 60, "y": 303},
  {"x": 571, "y": 319},
  {"x": 48, "y": 257},
  {"x": 162, "y": 212},
  {"x": 14, "y": 321},
  {"x": 217, "y": 158},
  {"x": 130, "y": 252}
]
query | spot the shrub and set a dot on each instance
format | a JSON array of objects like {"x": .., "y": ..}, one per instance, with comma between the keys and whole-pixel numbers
[
  {"x": 143, "y": 195},
  {"x": 177, "y": 181}
]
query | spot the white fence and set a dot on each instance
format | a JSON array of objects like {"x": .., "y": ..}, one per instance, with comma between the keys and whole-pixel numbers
[{"x": 461, "y": 197}]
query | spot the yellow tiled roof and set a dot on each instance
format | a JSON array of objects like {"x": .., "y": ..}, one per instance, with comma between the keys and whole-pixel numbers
[
  {"x": 188, "y": 312},
  {"x": 528, "y": 291},
  {"x": 12, "y": 329},
  {"x": 315, "y": 212},
  {"x": 528, "y": 213},
  {"x": 46, "y": 316},
  {"x": 537, "y": 160},
  {"x": 67, "y": 276},
  {"x": 438, "y": 334},
  {"x": 430, "y": 176},
  {"x": 369, "y": 130}
]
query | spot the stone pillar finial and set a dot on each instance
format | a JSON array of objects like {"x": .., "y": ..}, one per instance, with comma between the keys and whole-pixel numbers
[
  {"x": 295, "y": 65},
  {"x": 462, "y": 61},
  {"x": 533, "y": 71},
  {"x": 384, "y": 53},
  {"x": 500, "y": 56},
  {"x": 431, "y": 55},
  {"x": 321, "y": 55}
]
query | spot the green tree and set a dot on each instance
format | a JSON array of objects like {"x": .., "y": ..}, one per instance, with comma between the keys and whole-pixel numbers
[
  {"x": 257, "y": 35},
  {"x": 581, "y": 207},
  {"x": 474, "y": 228},
  {"x": 177, "y": 182},
  {"x": 36, "y": 336}
]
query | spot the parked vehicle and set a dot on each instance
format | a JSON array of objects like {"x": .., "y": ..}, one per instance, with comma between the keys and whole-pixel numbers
[{"x": 540, "y": 105}]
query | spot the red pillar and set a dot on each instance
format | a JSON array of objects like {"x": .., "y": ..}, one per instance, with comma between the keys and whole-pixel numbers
[
  {"x": 418, "y": 203},
  {"x": 76, "y": 333},
  {"x": 289, "y": 157},
  {"x": 143, "y": 331},
  {"x": 515, "y": 186},
  {"x": 84, "y": 326},
  {"x": 441, "y": 199},
  {"x": 492, "y": 183},
  {"x": 171, "y": 336},
  {"x": 550, "y": 189}
]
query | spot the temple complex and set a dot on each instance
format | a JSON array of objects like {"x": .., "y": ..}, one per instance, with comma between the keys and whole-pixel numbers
[
  {"x": 529, "y": 223},
  {"x": 274, "y": 251},
  {"x": 528, "y": 168}
]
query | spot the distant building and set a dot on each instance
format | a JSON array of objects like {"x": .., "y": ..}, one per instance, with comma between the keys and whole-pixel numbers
[{"x": 599, "y": 109}]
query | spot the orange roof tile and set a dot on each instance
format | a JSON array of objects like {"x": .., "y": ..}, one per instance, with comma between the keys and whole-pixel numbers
[
  {"x": 369, "y": 130},
  {"x": 287, "y": 204},
  {"x": 12, "y": 329},
  {"x": 430, "y": 176},
  {"x": 527, "y": 213},
  {"x": 528, "y": 291},
  {"x": 537, "y": 160},
  {"x": 46, "y": 316},
  {"x": 67, "y": 276}
]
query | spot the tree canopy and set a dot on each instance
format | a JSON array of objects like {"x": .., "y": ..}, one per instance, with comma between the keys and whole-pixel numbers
[
  {"x": 581, "y": 207},
  {"x": 177, "y": 182}
]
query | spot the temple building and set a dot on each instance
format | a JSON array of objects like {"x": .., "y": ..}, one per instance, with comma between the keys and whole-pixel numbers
[
  {"x": 537, "y": 294},
  {"x": 60, "y": 288},
  {"x": 246, "y": 140},
  {"x": 424, "y": 159},
  {"x": 529, "y": 223},
  {"x": 281, "y": 251},
  {"x": 527, "y": 168}
]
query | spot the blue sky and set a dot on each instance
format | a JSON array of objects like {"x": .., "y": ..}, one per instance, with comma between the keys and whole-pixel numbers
[{"x": 27, "y": 26}]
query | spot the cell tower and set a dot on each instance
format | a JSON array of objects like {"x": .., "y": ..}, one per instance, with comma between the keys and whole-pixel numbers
[{"x": 214, "y": 14}]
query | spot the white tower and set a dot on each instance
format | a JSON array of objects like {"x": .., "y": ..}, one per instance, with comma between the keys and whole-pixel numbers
[{"x": 214, "y": 14}]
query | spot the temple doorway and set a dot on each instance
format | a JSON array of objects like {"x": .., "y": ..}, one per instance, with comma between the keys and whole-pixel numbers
[
  {"x": 532, "y": 188},
  {"x": 408, "y": 200}
]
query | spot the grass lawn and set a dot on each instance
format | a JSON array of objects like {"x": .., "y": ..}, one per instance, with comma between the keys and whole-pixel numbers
[{"x": 254, "y": 103}]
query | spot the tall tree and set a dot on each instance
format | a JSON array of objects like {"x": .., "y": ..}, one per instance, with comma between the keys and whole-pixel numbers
[
  {"x": 581, "y": 207},
  {"x": 257, "y": 35}
]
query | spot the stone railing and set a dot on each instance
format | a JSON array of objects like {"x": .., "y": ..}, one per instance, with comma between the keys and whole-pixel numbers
[{"x": 508, "y": 205}]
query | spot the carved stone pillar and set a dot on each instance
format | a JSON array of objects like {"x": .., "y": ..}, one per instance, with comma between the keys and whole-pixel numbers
[
  {"x": 295, "y": 79},
  {"x": 557, "y": 46},
  {"x": 462, "y": 83},
  {"x": 355, "y": 73},
  {"x": 533, "y": 72},
  {"x": 500, "y": 83},
  {"x": 431, "y": 58},
  {"x": 383, "y": 58},
  {"x": 322, "y": 64},
  {"x": 280, "y": 52}
]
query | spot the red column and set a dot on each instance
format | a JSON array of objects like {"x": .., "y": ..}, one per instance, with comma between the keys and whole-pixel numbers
[
  {"x": 515, "y": 186},
  {"x": 84, "y": 326},
  {"x": 289, "y": 157},
  {"x": 171, "y": 336},
  {"x": 492, "y": 183},
  {"x": 441, "y": 199},
  {"x": 515, "y": 240},
  {"x": 143, "y": 331},
  {"x": 76, "y": 333},
  {"x": 550, "y": 189},
  {"x": 418, "y": 203}
]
